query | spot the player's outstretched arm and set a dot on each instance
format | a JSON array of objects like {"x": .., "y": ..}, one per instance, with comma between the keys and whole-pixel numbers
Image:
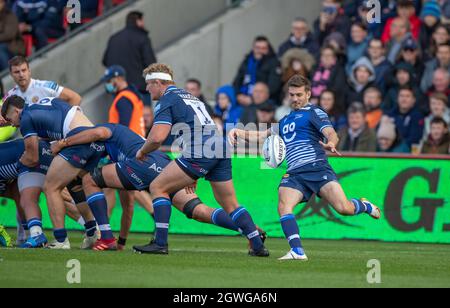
[
  {"x": 85, "y": 137},
  {"x": 249, "y": 136},
  {"x": 30, "y": 157},
  {"x": 157, "y": 136},
  {"x": 70, "y": 96},
  {"x": 333, "y": 140}
]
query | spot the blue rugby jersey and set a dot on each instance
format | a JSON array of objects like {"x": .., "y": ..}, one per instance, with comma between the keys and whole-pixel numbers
[
  {"x": 11, "y": 152},
  {"x": 45, "y": 120},
  {"x": 302, "y": 131},
  {"x": 199, "y": 134}
]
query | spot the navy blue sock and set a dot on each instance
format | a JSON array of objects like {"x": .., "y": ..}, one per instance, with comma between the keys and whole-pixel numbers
[
  {"x": 99, "y": 207},
  {"x": 220, "y": 218},
  {"x": 35, "y": 226},
  {"x": 25, "y": 225},
  {"x": 60, "y": 235},
  {"x": 163, "y": 210},
  {"x": 244, "y": 221},
  {"x": 361, "y": 207},
  {"x": 292, "y": 233},
  {"x": 90, "y": 227}
]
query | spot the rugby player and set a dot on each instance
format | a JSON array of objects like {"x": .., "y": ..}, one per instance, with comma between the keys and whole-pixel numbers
[
  {"x": 308, "y": 134},
  {"x": 204, "y": 155},
  {"x": 54, "y": 119},
  {"x": 127, "y": 173}
]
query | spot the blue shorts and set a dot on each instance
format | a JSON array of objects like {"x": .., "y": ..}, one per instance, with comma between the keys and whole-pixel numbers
[
  {"x": 213, "y": 170},
  {"x": 138, "y": 175},
  {"x": 310, "y": 179},
  {"x": 45, "y": 160},
  {"x": 86, "y": 156}
]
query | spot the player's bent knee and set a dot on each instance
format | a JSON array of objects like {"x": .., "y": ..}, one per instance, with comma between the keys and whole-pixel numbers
[
  {"x": 96, "y": 178},
  {"x": 189, "y": 207}
]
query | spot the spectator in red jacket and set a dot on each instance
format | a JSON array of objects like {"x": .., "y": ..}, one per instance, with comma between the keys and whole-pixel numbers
[{"x": 407, "y": 11}]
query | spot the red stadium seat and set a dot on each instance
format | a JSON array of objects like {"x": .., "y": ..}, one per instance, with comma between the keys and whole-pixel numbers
[{"x": 28, "y": 39}]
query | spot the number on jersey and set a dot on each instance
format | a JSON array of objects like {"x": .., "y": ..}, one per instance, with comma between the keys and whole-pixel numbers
[{"x": 200, "y": 110}]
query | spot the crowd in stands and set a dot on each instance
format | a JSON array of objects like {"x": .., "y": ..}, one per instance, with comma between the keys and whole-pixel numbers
[
  {"x": 385, "y": 85},
  {"x": 27, "y": 25}
]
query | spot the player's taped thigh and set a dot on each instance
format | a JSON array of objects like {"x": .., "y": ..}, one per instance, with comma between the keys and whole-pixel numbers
[
  {"x": 76, "y": 191},
  {"x": 189, "y": 207},
  {"x": 30, "y": 180},
  {"x": 97, "y": 177}
]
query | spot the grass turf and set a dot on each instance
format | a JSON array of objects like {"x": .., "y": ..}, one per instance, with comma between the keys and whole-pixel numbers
[{"x": 222, "y": 262}]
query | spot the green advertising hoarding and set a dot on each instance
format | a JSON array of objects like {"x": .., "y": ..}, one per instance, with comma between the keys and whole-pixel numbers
[{"x": 412, "y": 193}]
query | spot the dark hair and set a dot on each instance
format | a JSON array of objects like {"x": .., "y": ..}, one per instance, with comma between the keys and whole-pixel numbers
[
  {"x": 439, "y": 120},
  {"x": 133, "y": 17},
  {"x": 405, "y": 4},
  {"x": 262, "y": 38},
  {"x": 360, "y": 25},
  {"x": 407, "y": 88},
  {"x": 12, "y": 101},
  {"x": 18, "y": 60},
  {"x": 298, "y": 81},
  {"x": 443, "y": 45},
  {"x": 196, "y": 81},
  {"x": 356, "y": 107},
  {"x": 337, "y": 106}
]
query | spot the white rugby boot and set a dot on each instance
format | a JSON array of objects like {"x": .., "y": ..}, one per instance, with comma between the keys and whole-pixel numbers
[{"x": 292, "y": 255}]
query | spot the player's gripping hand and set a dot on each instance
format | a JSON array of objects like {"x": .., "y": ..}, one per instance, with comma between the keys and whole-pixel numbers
[
  {"x": 140, "y": 155},
  {"x": 56, "y": 147},
  {"x": 331, "y": 147},
  {"x": 233, "y": 137}
]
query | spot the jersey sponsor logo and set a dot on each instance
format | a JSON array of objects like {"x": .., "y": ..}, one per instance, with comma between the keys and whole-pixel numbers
[
  {"x": 322, "y": 114},
  {"x": 46, "y": 152},
  {"x": 134, "y": 176},
  {"x": 98, "y": 148},
  {"x": 156, "y": 168}
]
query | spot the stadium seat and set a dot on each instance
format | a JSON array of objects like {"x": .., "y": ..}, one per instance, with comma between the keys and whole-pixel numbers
[{"x": 28, "y": 39}]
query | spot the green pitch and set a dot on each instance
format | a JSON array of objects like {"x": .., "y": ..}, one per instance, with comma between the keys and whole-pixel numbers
[{"x": 221, "y": 262}]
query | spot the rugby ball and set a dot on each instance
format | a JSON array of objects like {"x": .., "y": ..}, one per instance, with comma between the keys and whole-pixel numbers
[{"x": 274, "y": 151}]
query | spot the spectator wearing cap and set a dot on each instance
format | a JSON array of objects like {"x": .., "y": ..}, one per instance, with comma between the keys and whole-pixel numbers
[
  {"x": 373, "y": 98},
  {"x": 407, "y": 12},
  {"x": 132, "y": 49},
  {"x": 301, "y": 38},
  {"x": 127, "y": 108},
  {"x": 389, "y": 139},
  {"x": 265, "y": 114},
  {"x": 331, "y": 19},
  {"x": 400, "y": 33},
  {"x": 358, "y": 45},
  {"x": 407, "y": 116},
  {"x": 362, "y": 77},
  {"x": 261, "y": 95},
  {"x": 227, "y": 107},
  {"x": 438, "y": 109},
  {"x": 438, "y": 142},
  {"x": 11, "y": 43},
  {"x": 260, "y": 65},
  {"x": 377, "y": 56},
  {"x": 430, "y": 16},
  {"x": 441, "y": 61},
  {"x": 411, "y": 54},
  {"x": 357, "y": 137}
]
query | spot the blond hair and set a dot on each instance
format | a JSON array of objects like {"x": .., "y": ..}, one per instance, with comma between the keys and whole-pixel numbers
[{"x": 160, "y": 68}]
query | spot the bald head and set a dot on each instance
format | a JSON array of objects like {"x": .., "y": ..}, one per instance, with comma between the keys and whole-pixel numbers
[
  {"x": 441, "y": 80},
  {"x": 261, "y": 93}
]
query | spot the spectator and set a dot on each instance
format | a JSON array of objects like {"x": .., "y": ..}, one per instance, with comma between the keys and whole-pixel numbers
[
  {"x": 430, "y": 16},
  {"x": 374, "y": 29},
  {"x": 441, "y": 82},
  {"x": 407, "y": 12},
  {"x": 408, "y": 119},
  {"x": 296, "y": 62},
  {"x": 127, "y": 108},
  {"x": 358, "y": 137},
  {"x": 439, "y": 109},
  {"x": 260, "y": 65},
  {"x": 438, "y": 142},
  {"x": 358, "y": 45},
  {"x": 440, "y": 37},
  {"x": 373, "y": 98},
  {"x": 329, "y": 75},
  {"x": 442, "y": 60},
  {"x": 148, "y": 119},
  {"x": 400, "y": 33},
  {"x": 334, "y": 110},
  {"x": 132, "y": 49},
  {"x": 31, "y": 15},
  {"x": 389, "y": 139},
  {"x": 11, "y": 43},
  {"x": 361, "y": 78},
  {"x": 285, "y": 108},
  {"x": 227, "y": 107},
  {"x": 338, "y": 42},
  {"x": 411, "y": 54},
  {"x": 194, "y": 86},
  {"x": 261, "y": 95},
  {"x": 301, "y": 38},
  {"x": 332, "y": 19},
  {"x": 266, "y": 114},
  {"x": 404, "y": 76},
  {"x": 52, "y": 24},
  {"x": 377, "y": 56}
]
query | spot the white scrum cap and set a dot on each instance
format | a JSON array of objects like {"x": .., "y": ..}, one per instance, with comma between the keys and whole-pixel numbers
[{"x": 158, "y": 76}]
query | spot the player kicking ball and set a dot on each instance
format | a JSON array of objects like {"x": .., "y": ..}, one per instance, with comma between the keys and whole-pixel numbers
[{"x": 309, "y": 172}]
